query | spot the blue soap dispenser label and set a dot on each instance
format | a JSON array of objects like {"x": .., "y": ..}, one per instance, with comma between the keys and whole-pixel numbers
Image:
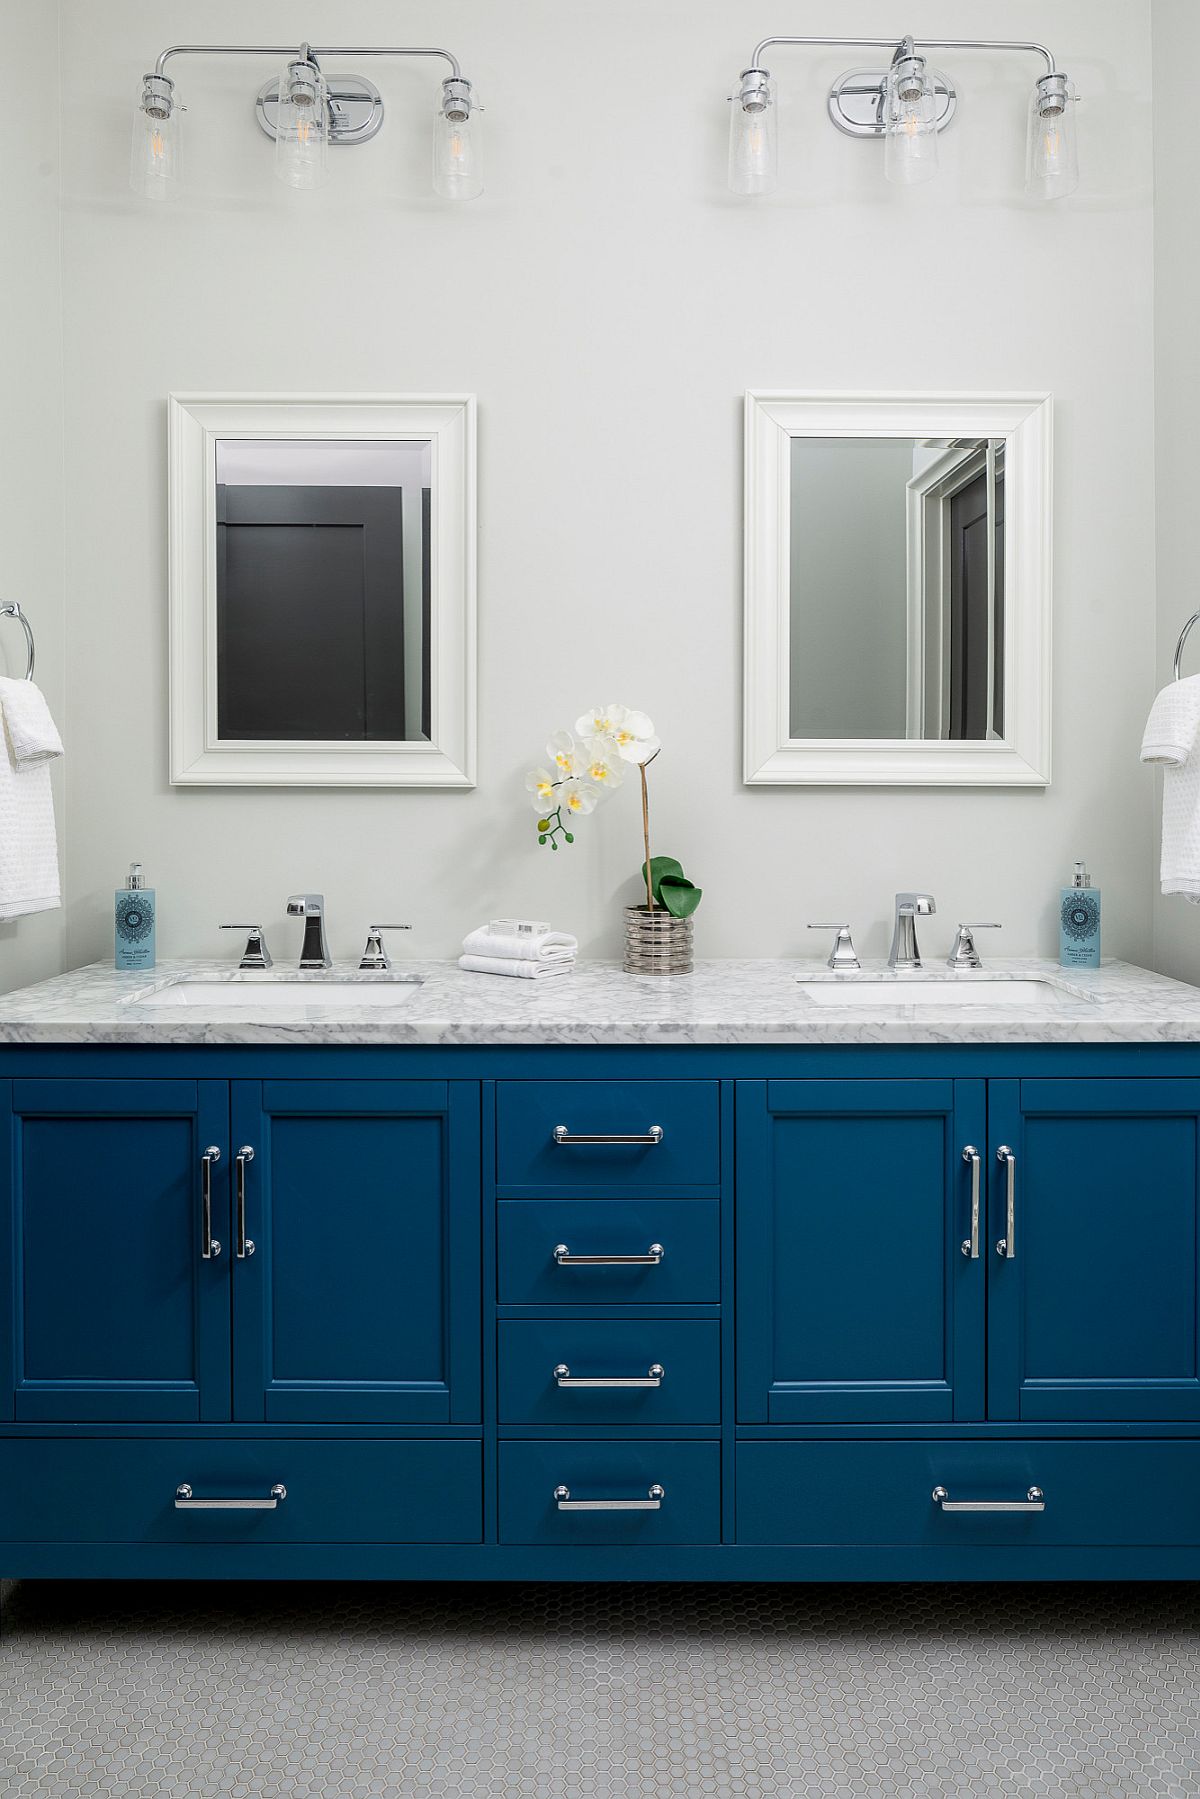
[
  {"x": 134, "y": 930},
  {"x": 1079, "y": 922}
]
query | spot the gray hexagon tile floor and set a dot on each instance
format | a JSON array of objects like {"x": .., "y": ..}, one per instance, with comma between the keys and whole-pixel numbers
[{"x": 345, "y": 1692}]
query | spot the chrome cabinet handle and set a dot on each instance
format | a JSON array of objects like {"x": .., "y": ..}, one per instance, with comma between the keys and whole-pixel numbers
[
  {"x": 563, "y": 1136},
  {"x": 651, "y": 1259},
  {"x": 653, "y": 1377},
  {"x": 186, "y": 1501},
  {"x": 1034, "y": 1501},
  {"x": 651, "y": 1503},
  {"x": 970, "y": 1245},
  {"x": 1007, "y": 1246},
  {"x": 245, "y": 1244},
  {"x": 209, "y": 1247}
]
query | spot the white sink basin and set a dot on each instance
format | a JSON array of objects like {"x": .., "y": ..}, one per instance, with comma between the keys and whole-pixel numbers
[
  {"x": 281, "y": 994},
  {"x": 952, "y": 995}
]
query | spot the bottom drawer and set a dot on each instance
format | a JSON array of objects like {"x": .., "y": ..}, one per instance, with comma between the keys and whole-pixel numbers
[
  {"x": 123, "y": 1490},
  {"x": 1093, "y": 1493},
  {"x": 532, "y": 1474}
]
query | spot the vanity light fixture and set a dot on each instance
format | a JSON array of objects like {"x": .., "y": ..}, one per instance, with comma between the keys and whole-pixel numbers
[
  {"x": 907, "y": 104},
  {"x": 305, "y": 112}
]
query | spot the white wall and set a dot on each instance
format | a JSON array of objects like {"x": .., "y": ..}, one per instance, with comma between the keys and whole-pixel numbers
[
  {"x": 1176, "y": 27},
  {"x": 31, "y": 414},
  {"x": 609, "y": 302}
]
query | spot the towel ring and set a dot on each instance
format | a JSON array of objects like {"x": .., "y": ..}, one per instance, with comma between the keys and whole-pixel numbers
[
  {"x": 13, "y": 610},
  {"x": 1183, "y": 637}
]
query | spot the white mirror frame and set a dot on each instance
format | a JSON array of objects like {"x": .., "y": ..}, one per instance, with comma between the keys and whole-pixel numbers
[
  {"x": 198, "y": 757},
  {"x": 771, "y": 755}
]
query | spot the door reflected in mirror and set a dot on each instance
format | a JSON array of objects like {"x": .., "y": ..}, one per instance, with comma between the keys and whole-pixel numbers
[{"x": 897, "y": 616}]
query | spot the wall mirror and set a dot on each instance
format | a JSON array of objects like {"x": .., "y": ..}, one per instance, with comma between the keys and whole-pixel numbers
[
  {"x": 897, "y": 624},
  {"x": 322, "y": 565}
]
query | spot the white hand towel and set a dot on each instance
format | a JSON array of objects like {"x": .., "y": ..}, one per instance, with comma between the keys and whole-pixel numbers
[
  {"x": 32, "y": 733},
  {"x": 521, "y": 967},
  {"x": 29, "y": 880},
  {"x": 540, "y": 946},
  {"x": 1170, "y": 741}
]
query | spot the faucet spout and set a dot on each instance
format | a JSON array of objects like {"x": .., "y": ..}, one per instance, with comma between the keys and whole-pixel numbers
[
  {"x": 905, "y": 954},
  {"x": 314, "y": 952}
]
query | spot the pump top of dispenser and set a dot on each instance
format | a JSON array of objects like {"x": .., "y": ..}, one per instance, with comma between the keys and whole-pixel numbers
[
  {"x": 1082, "y": 877},
  {"x": 136, "y": 881}
]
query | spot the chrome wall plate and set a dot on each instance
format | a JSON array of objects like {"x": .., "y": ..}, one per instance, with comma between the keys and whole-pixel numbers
[
  {"x": 856, "y": 101},
  {"x": 355, "y": 108}
]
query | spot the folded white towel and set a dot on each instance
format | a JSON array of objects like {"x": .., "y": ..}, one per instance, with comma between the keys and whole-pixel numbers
[
  {"x": 1170, "y": 740},
  {"x": 524, "y": 946},
  {"x": 29, "y": 880},
  {"x": 32, "y": 733},
  {"x": 521, "y": 967}
]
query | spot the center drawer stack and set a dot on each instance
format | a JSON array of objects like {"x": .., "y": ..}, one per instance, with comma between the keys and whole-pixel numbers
[{"x": 608, "y": 1322}]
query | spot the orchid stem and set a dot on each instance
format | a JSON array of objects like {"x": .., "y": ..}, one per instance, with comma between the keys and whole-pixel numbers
[{"x": 646, "y": 837}]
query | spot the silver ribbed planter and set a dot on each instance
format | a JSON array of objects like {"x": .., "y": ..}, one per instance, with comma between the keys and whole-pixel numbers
[{"x": 656, "y": 943}]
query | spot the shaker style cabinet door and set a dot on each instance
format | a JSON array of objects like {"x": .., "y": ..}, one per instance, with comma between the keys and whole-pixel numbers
[
  {"x": 859, "y": 1296},
  {"x": 120, "y": 1257},
  {"x": 1093, "y": 1301},
  {"x": 355, "y": 1250}
]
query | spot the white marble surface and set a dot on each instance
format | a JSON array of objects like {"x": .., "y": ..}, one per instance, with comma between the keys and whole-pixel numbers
[{"x": 756, "y": 1002}]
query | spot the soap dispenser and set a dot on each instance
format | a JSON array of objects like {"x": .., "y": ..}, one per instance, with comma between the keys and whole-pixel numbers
[
  {"x": 1079, "y": 922},
  {"x": 134, "y": 922}
]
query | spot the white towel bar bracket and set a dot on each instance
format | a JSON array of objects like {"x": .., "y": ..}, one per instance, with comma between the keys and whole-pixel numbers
[{"x": 13, "y": 610}]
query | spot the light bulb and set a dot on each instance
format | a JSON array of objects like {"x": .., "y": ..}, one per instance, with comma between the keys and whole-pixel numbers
[
  {"x": 910, "y": 122},
  {"x": 458, "y": 143},
  {"x": 154, "y": 157},
  {"x": 753, "y": 138},
  {"x": 1052, "y": 156},
  {"x": 302, "y": 126}
]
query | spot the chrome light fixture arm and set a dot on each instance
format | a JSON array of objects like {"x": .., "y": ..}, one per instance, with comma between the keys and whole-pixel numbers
[
  {"x": 921, "y": 43},
  {"x": 318, "y": 50}
]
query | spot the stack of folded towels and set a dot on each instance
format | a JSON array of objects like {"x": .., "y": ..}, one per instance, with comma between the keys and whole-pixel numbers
[{"x": 518, "y": 946}]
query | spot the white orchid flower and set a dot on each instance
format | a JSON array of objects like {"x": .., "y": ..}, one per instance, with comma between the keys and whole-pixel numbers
[
  {"x": 541, "y": 786},
  {"x": 635, "y": 738},
  {"x": 603, "y": 721},
  {"x": 565, "y": 754},
  {"x": 602, "y": 763},
  {"x": 578, "y": 797}
]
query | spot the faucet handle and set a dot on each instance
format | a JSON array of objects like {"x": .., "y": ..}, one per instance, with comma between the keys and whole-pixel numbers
[
  {"x": 842, "y": 954},
  {"x": 964, "y": 954},
  {"x": 374, "y": 955},
  {"x": 256, "y": 954}
]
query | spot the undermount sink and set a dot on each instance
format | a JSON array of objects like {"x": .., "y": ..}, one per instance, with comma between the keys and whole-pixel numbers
[
  {"x": 964, "y": 991},
  {"x": 279, "y": 993}
]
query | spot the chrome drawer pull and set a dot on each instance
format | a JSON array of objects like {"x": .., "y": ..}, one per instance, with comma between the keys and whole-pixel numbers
[
  {"x": 653, "y": 1377},
  {"x": 651, "y": 1503},
  {"x": 651, "y": 1259},
  {"x": 970, "y": 1245},
  {"x": 209, "y": 1247},
  {"x": 1034, "y": 1501},
  {"x": 1007, "y": 1246},
  {"x": 245, "y": 1244},
  {"x": 186, "y": 1501},
  {"x": 562, "y": 1134}
]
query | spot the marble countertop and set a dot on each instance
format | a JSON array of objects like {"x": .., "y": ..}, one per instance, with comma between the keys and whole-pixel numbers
[{"x": 751, "y": 1002}]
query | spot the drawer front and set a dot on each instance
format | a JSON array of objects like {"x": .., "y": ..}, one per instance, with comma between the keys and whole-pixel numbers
[
  {"x": 678, "y": 1360},
  {"x": 532, "y": 1472},
  {"x": 685, "y": 1113},
  {"x": 686, "y": 1230},
  {"x": 124, "y": 1491},
  {"x": 1123, "y": 1494}
]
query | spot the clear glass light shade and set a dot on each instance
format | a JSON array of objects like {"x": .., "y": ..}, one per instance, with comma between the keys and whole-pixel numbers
[
  {"x": 154, "y": 157},
  {"x": 302, "y": 127},
  {"x": 753, "y": 138},
  {"x": 458, "y": 153},
  {"x": 910, "y": 112},
  {"x": 1052, "y": 154}
]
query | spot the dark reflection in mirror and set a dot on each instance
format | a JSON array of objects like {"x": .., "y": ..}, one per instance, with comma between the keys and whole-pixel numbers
[
  {"x": 897, "y": 617},
  {"x": 323, "y": 590}
]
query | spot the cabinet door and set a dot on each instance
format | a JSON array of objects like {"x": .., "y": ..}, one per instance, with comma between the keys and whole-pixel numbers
[
  {"x": 1092, "y": 1307},
  {"x": 360, "y": 1302},
  {"x": 856, "y": 1303},
  {"x": 117, "y": 1314}
]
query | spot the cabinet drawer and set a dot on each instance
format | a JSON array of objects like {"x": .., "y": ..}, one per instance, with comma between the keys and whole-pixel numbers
[
  {"x": 1132, "y": 1493},
  {"x": 685, "y": 1115},
  {"x": 689, "y": 1474},
  {"x": 682, "y": 1357},
  {"x": 685, "y": 1230},
  {"x": 124, "y": 1490}
]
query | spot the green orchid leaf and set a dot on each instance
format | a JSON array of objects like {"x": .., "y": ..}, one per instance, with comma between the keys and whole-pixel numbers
[
  {"x": 679, "y": 896},
  {"x": 659, "y": 867}
]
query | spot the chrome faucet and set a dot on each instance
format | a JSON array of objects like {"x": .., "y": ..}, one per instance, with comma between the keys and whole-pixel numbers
[
  {"x": 909, "y": 907},
  {"x": 314, "y": 952}
]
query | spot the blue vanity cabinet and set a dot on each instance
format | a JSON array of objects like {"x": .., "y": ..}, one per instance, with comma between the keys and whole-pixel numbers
[
  {"x": 118, "y": 1315},
  {"x": 855, "y": 1301},
  {"x": 360, "y": 1301},
  {"x": 1094, "y": 1306}
]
